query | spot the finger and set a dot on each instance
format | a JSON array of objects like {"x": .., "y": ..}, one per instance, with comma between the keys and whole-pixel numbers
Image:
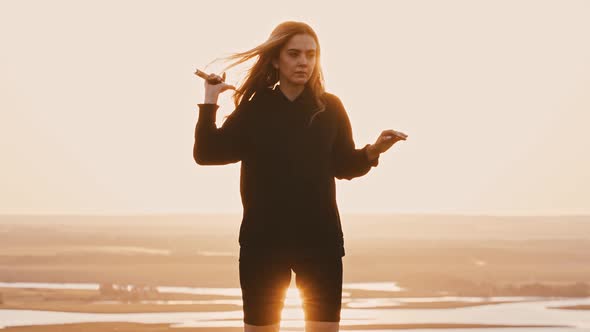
[
  {"x": 400, "y": 134},
  {"x": 213, "y": 79},
  {"x": 388, "y": 138},
  {"x": 223, "y": 77},
  {"x": 387, "y": 133},
  {"x": 396, "y": 137},
  {"x": 390, "y": 132}
]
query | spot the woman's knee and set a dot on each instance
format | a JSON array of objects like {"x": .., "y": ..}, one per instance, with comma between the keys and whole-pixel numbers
[
  {"x": 261, "y": 328},
  {"x": 317, "y": 326}
]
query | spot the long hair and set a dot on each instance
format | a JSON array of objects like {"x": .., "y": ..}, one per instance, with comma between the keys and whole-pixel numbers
[{"x": 263, "y": 75}]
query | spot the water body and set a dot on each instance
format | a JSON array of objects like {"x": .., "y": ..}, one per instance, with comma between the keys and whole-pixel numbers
[
  {"x": 379, "y": 286},
  {"x": 363, "y": 311}
]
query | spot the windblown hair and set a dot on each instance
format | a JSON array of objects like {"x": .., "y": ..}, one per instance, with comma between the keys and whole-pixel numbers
[{"x": 263, "y": 75}]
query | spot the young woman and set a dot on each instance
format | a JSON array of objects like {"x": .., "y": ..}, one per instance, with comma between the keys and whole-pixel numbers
[{"x": 293, "y": 139}]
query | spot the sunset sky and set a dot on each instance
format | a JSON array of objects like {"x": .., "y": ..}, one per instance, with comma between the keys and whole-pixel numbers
[{"x": 98, "y": 102}]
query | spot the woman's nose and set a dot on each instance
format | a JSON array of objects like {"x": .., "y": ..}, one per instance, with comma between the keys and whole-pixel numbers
[{"x": 303, "y": 60}]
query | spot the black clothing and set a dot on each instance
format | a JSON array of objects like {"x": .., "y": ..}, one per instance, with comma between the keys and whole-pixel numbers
[
  {"x": 264, "y": 280},
  {"x": 287, "y": 181}
]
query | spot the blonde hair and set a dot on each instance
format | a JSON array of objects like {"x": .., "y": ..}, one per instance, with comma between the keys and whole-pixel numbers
[{"x": 263, "y": 75}]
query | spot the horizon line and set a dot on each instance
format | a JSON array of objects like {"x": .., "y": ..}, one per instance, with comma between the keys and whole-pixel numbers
[{"x": 144, "y": 214}]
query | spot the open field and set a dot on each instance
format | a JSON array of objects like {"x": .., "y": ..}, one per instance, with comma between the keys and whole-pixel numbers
[{"x": 427, "y": 256}]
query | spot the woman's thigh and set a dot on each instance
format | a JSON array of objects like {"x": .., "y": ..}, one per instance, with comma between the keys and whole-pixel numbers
[
  {"x": 264, "y": 280},
  {"x": 319, "y": 280}
]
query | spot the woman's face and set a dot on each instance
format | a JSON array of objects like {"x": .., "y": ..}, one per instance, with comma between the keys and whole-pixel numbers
[{"x": 297, "y": 60}]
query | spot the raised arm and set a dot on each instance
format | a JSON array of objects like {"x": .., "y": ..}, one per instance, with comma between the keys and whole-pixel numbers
[
  {"x": 219, "y": 146},
  {"x": 349, "y": 162}
]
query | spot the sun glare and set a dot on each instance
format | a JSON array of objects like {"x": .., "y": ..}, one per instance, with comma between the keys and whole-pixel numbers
[{"x": 295, "y": 302}]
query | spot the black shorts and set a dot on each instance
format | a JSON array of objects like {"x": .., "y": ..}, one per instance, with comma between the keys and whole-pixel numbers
[{"x": 265, "y": 278}]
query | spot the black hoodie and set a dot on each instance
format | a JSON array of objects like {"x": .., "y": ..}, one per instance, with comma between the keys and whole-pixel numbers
[{"x": 288, "y": 170}]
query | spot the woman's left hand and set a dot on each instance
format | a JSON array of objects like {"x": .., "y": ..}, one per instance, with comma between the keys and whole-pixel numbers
[{"x": 386, "y": 140}]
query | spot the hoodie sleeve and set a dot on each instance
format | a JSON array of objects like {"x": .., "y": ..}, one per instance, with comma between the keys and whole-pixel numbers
[
  {"x": 348, "y": 161},
  {"x": 218, "y": 146}
]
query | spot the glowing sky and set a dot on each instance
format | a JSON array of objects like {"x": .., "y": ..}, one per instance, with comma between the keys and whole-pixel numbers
[{"x": 98, "y": 102}]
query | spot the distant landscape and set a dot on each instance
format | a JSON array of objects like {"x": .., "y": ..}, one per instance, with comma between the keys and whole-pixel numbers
[{"x": 425, "y": 255}]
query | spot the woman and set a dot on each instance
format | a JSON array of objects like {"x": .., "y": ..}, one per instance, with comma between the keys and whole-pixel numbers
[{"x": 293, "y": 139}]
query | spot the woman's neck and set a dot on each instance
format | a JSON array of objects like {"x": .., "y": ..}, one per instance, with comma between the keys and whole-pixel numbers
[{"x": 291, "y": 91}]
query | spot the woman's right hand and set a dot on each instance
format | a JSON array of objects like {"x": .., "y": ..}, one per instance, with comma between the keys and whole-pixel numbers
[{"x": 214, "y": 89}]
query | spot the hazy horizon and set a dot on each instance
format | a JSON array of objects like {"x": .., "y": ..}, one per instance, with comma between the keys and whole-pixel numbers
[{"x": 427, "y": 214}]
